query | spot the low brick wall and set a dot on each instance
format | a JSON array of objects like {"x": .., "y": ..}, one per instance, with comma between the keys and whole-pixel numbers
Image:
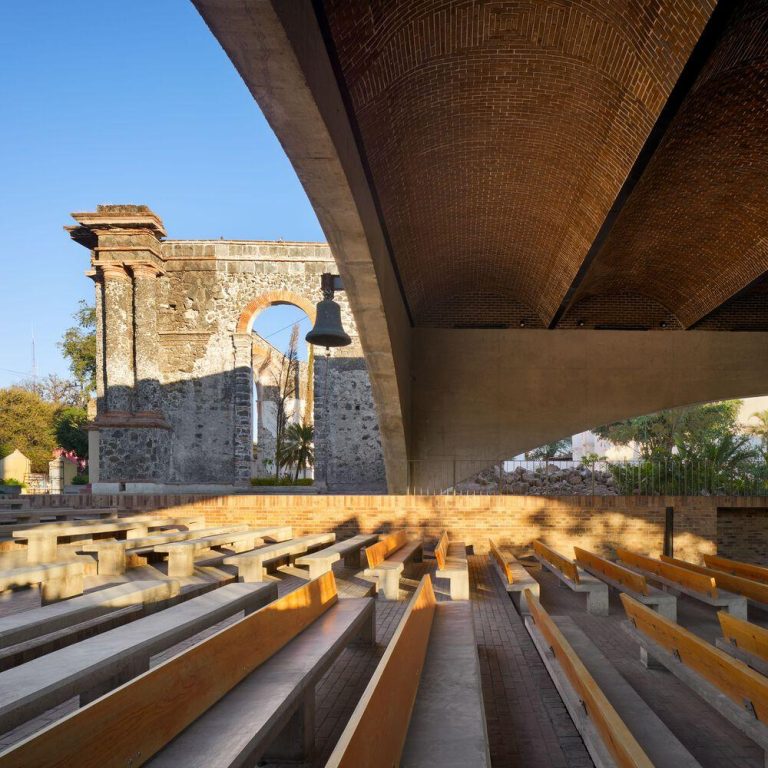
[{"x": 595, "y": 523}]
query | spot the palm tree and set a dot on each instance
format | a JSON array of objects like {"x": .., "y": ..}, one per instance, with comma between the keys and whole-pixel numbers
[
  {"x": 760, "y": 430},
  {"x": 296, "y": 447}
]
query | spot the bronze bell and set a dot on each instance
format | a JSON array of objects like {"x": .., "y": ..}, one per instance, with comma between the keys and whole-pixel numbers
[{"x": 328, "y": 331}]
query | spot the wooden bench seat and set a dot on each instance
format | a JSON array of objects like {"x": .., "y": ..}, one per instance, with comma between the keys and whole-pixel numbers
[
  {"x": 737, "y": 692},
  {"x": 744, "y": 641},
  {"x": 181, "y": 554},
  {"x": 322, "y": 561},
  {"x": 423, "y": 705},
  {"x": 243, "y": 693},
  {"x": 386, "y": 561},
  {"x": 573, "y": 577},
  {"x": 57, "y": 581},
  {"x": 684, "y": 580},
  {"x": 625, "y": 580},
  {"x": 452, "y": 564},
  {"x": 616, "y": 724},
  {"x": 251, "y": 566},
  {"x": 89, "y": 668},
  {"x": 114, "y": 555},
  {"x": 737, "y": 568},
  {"x": 26, "y": 625},
  {"x": 514, "y": 576}
]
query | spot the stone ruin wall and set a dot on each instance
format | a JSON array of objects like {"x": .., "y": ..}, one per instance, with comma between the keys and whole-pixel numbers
[{"x": 189, "y": 418}]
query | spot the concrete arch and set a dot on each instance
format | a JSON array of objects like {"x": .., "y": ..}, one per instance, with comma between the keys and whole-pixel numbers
[{"x": 272, "y": 299}]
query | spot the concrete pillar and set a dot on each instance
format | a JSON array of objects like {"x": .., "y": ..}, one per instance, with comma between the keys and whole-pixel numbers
[
  {"x": 118, "y": 337},
  {"x": 243, "y": 405},
  {"x": 147, "y": 370}
]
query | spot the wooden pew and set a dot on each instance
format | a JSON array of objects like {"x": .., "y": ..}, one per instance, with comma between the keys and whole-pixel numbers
[
  {"x": 755, "y": 591},
  {"x": 251, "y": 566},
  {"x": 322, "y": 561},
  {"x": 737, "y": 568},
  {"x": 617, "y": 726},
  {"x": 739, "y": 693},
  {"x": 57, "y": 581},
  {"x": 245, "y": 692},
  {"x": 181, "y": 554},
  {"x": 631, "y": 582},
  {"x": 452, "y": 565},
  {"x": 513, "y": 575},
  {"x": 386, "y": 562},
  {"x": 428, "y": 676},
  {"x": 574, "y": 578},
  {"x": 699, "y": 586},
  {"x": 744, "y": 641},
  {"x": 89, "y": 668}
]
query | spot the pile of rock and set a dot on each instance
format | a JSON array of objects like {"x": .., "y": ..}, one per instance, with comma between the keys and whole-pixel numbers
[{"x": 542, "y": 480}]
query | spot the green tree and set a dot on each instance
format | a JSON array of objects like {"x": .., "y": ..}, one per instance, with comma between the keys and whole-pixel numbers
[
  {"x": 78, "y": 345},
  {"x": 296, "y": 448},
  {"x": 68, "y": 426},
  {"x": 558, "y": 449},
  {"x": 57, "y": 390},
  {"x": 688, "y": 428},
  {"x": 760, "y": 430},
  {"x": 26, "y": 423}
]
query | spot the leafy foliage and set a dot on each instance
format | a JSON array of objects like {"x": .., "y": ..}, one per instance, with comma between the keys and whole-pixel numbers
[
  {"x": 26, "y": 423},
  {"x": 78, "y": 345},
  {"x": 281, "y": 481},
  {"x": 296, "y": 449},
  {"x": 57, "y": 390},
  {"x": 68, "y": 425},
  {"x": 560, "y": 448}
]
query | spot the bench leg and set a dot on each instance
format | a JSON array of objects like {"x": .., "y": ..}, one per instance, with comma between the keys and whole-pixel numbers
[
  {"x": 460, "y": 587},
  {"x": 296, "y": 741},
  {"x": 648, "y": 661},
  {"x": 42, "y": 549},
  {"x": 389, "y": 585},
  {"x": 181, "y": 563},
  {"x": 250, "y": 572},
  {"x": 597, "y": 603},
  {"x": 668, "y": 610},
  {"x": 111, "y": 562},
  {"x": 53, "y": 590},
  {"x": 243, "y": 546},
  {"x": 738, "y": 609},
  {"x": 318, "y": 569},
  {"x": 354, "y": 559},
  {"x": 138, "y": 532}
]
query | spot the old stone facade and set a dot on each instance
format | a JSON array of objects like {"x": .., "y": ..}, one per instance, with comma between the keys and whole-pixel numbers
[{"x": 175, "y": 356}]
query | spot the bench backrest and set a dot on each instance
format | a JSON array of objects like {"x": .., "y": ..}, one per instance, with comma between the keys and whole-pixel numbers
[
  {"x": 563, "y": 564},
  {"x": 379, "y": 724},
  {"x": 737, "y": 568},
  {"x": 732, "y": 677},
  {"x": 381, "y": 550},
  {"x": 744, "y": 635},
  {"x": 441, "y": 550},
  {"x": 615, "y": 735},
  {"x": 499, "y": 558},
  {"x": 629, "y": 579},
  {"x": 737, "y": 584},
  {"x": 133, "y": 722},
  {"x": 684, "y": 577}
]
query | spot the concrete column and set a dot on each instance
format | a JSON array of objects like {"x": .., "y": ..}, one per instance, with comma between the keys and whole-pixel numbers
[
  {"x": 118, "y": 337},
  {"x": 243, "y": 405},
  {"x": 147, "y": 368}
]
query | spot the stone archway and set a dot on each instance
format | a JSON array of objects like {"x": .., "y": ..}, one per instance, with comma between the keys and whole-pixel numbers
[{"x": 272, "y": 299}]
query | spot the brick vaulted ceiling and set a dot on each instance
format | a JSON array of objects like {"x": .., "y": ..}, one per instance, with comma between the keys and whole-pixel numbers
[{"x": 497, "y": 136}]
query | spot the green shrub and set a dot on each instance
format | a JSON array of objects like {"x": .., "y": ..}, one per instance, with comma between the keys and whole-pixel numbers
[
  {"x": 12, "y": 481},
  {"x": 281, "y": 481},
  {"x": 80, "y": 480}
]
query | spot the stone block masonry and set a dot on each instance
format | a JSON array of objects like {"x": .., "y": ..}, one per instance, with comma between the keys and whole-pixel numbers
[{"x": 176, "y": 356}]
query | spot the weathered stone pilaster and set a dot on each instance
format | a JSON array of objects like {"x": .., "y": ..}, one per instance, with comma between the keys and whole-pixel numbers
[
  {"x": 243, "y": 413},
  {"x": 118, "y": 337},
  {"x": 147, "y": 351}
]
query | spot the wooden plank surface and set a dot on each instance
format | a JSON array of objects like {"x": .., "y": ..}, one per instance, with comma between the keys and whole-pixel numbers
[
  {"x": 379, "y": 552},
  {"x": 133, "y": 722},
  {"x": 376, "y": 732},
  {"x": 615, "y": 735},
  {"x": 754, "y": 590},
  {"x": 441, "y": 550},
  {"x": 744, "y": 635},
  {"x": 737, "y": 568},
  {"x": 503, "y": 564},
  {"x": 563, "y": 564},
  {"x": 734, "y": 678},
  {"x": 629, "y": 579},
  {"x": 684, "y": 577}
]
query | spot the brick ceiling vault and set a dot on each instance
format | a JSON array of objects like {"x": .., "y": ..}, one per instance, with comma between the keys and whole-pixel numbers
[
  {"x": 695, "y": 230},
  {"x": 498, "y": 133}
]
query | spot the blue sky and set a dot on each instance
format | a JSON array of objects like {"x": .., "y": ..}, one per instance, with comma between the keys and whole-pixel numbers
[{"x": 110, "y": 102}]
